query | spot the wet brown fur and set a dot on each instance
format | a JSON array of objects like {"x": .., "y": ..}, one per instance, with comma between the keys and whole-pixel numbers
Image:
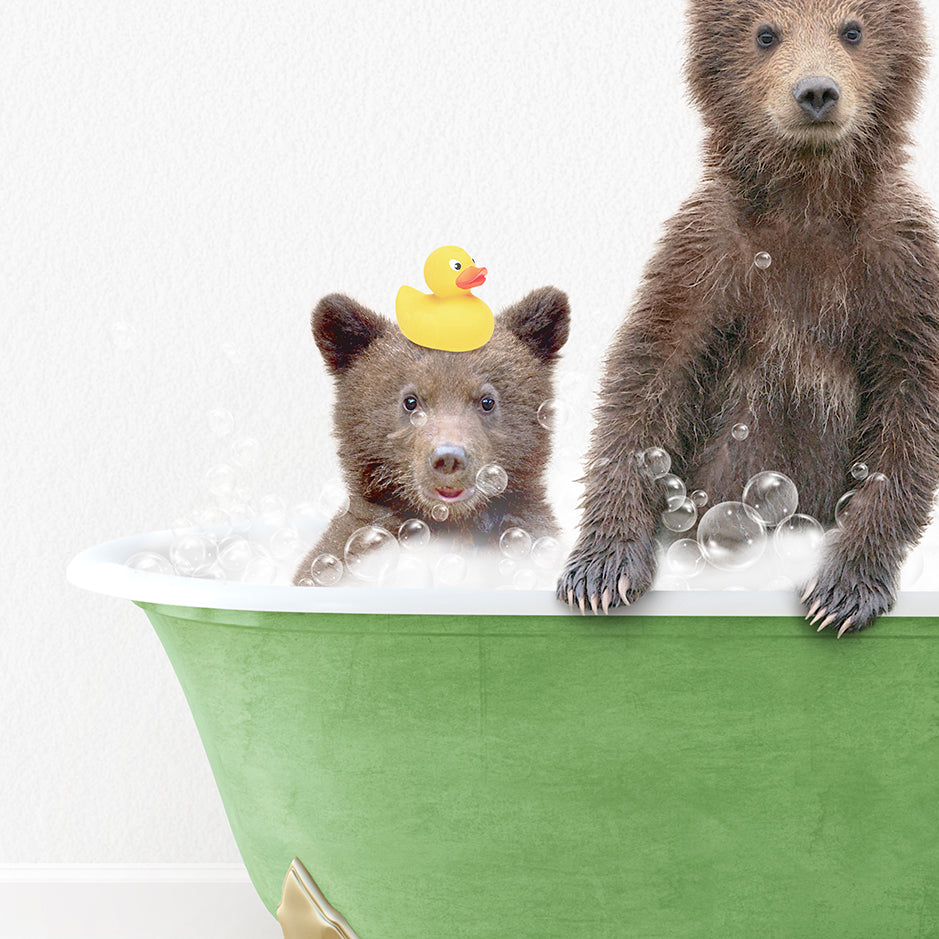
[
  {"x": 831, "y": 355},
  {"x": 385, "y": 457}
]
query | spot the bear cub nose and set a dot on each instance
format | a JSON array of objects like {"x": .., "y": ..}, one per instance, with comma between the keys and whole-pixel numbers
[
  {"x": 448, "y": 459},
  {"x": 817, "y": 96}
]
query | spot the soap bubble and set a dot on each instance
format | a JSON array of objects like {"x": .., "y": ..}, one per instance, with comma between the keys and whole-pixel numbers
[
  {"x": 684, "y": 557},
  {"x": 333, "y": 500},
  {"x": 673, "y": 488},
  {"x": 876, "y": 479},
  {"x": 440, "y": 512},
  {"x": 234, "y": 554},
  {"x": 681, "y": 518},
  {"x": 241, "y": 515},
  {"x": 150, "y": 562},
  {"x": 190, "y": 551},
  {"x": 419, "y": 418},
  {"x": 546, "y": 552},
  {"x": 515, "y": 543},
  {"x": 492, "y": 479},
  {"x": 797, "y": 536},
  {"x": 655, "y": 461},
  {"x": 842, "y": 509},
  {"x": 209, "y": 572},
  {"x": 370, "y": 553},
  {"x": 860, "y": 471},
  {"x": 552, "y": 414},
  {"x": 731, "y": 536},
  {"x": 450, "y": 570},
  {"x": 260, "y": 570},
  {"x": 214, "y": 520},
  {"x": 740, "y": 432},
  {"x": 221, "y": 421},
  {"x": 305, "y": 582},
  {"x": 245, "y": 450},
  {"x": 220, "y": 480},
  {"x": 285, "y": 543},
  {"x": 326, "y": 570},
  {"x": 507, "y": 568},
  {"x": 700, "y": 498},
  {"x": 772, "y": 496},
  {"x": 272, "y": 510},
  {"x": 413, "y": 534},
  {"x": 763, "y": 260}
]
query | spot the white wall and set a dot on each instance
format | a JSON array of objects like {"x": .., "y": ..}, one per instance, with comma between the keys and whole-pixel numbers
[{"x": 180, "y": 182}]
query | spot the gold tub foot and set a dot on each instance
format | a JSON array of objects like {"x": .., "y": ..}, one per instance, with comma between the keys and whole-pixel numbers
[{"x": 304, "y": 913}]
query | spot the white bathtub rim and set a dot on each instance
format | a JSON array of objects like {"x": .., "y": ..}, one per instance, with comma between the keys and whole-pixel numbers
[{"x": 101, "y": 569}]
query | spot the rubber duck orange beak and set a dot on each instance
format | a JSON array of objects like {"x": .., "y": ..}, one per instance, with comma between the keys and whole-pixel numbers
[{"x": 471, "y": 277}]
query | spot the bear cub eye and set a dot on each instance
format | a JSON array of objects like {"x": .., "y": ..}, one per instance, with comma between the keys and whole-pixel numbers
[
  {"x": 410, "y": 402},
  {"x": 487, "y": 402},
  {"x": 851, "y": 33},
  {"x": 766, "y": 37}
]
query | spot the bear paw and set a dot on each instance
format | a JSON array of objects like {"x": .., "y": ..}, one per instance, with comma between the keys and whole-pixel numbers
[
  {"x": 846, "y": 599},
  {"x": 606, "y": 575}
]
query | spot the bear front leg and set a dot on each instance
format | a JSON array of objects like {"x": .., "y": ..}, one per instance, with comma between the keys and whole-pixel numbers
[
  {"x": 899, "y": 440},
  {"x": 613, "y": 561}
]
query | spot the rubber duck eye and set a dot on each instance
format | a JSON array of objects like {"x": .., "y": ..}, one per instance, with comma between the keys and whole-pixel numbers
[
  {"x": 410, "y": 403},
  {"x": 766, "y": 37},
  {"x": 487, "y": 402},
  {"x": 851, "y": 33},
  {"x": 455, "y": 265}
]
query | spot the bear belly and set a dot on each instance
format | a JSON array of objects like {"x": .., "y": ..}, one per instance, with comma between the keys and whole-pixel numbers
[{"x": 798, "y": 402}]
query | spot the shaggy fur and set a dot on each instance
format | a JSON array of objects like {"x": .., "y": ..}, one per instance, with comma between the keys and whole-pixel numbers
[
  {"x": 831, "y": 355},
  {"x": 389, "y": 464}
]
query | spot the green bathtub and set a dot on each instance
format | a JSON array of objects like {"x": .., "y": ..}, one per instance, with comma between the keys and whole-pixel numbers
[{"x": 455, "y": 764}]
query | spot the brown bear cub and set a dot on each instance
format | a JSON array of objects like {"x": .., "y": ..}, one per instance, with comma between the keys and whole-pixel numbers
[
  {"x": 828, "y": 349},
  {"x": 416, "y": 425}
]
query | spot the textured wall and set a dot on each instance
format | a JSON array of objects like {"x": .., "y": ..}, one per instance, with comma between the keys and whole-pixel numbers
[{"x": 180, "y": 182}]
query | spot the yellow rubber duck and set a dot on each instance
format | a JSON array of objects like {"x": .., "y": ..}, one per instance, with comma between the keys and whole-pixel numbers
[{"x": 449, "y": 318}]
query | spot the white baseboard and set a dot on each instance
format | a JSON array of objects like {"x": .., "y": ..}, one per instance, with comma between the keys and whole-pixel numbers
[{"x": 119, "y": 901}]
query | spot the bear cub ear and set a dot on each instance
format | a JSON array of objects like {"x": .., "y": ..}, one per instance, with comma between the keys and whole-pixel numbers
[
  {"x": 343, "y": 330},
  {"x": 541, "y": 320}
]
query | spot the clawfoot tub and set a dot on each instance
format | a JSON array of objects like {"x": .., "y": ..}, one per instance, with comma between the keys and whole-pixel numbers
[{"x": 437, "y": 764}]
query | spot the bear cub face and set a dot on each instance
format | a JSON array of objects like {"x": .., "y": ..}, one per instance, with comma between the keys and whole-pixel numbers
[
  {"x": 415, "y": 426},
  {"x": 805, "y": 75}
]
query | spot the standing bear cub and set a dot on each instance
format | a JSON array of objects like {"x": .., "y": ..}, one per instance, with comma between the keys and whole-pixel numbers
[
  {"x": 416, "y": 425},
  {"x": 827, "y": 347}
]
